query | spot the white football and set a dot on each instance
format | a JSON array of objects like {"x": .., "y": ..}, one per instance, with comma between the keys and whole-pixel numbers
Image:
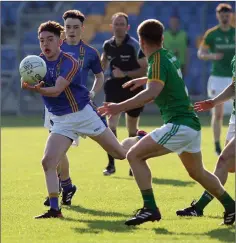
[{"x": 32, "y": 69}]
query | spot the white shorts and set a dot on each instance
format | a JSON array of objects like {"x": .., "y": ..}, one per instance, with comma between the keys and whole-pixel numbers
[
  {"x": 85, "y": 122},
  {"x": 231, "y": 129},
  {"x": 48, "y": 125},
  {"x": 217, "y": 84},
  {"x": 178, "y": 138}
]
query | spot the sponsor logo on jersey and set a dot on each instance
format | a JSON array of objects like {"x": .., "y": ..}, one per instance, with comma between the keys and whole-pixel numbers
[
  {"x": 225, "y": 46},
  {"x": 125, "y": 58}
]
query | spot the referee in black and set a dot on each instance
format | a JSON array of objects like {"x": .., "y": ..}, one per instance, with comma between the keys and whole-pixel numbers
[{"x": 126, "y": 61}]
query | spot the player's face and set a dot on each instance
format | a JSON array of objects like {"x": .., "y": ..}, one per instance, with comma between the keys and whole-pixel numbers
[
  {"x": 49, "y": 44},
  {"x": 120, "y": 27},
  {"x": 174, "y": 23},
  {"x": 224, "y": 18},
  {"x": 73, "y": 30}
]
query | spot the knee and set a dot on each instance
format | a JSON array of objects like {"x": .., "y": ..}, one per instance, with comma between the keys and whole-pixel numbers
[
  {"x": 131, "y": 155},
  {"x": 119, "y": 154},
  {"x": 47, "y": 163}
]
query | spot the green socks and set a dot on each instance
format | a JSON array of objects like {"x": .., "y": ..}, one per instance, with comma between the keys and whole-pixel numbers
[
  {"x": 204, "y": 200},
  {"x": 148, "y": 199},
  {"x": 227, "y": 201}
]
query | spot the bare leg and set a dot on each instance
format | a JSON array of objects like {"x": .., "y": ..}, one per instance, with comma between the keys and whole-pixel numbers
[
  {"x": 112, "y": 124},
  {"x": 132, "y": 124},
  {"x": 56, "y": 147},
  {"x": 226, "y": 162},
  {"x": 193, "y": 164},
  {"x": 137, "y": 156},
  {"x": 109, "y": 143},
  {"x": 64, "y": 168},
  {"x": 216, "y": 122},
  {"x": 144, "y": 149}
]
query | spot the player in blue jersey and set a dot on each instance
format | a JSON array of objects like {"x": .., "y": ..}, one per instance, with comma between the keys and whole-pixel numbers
[
  {"x": 68, "y": 100},
  {"x": 89, "y": 59}
]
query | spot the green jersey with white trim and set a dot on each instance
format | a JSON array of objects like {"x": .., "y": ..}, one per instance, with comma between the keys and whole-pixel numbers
[
  {"x": 173, "y": 101},
  {"x": 234, "y": 79},
  {"x": 219, "y": 41}
]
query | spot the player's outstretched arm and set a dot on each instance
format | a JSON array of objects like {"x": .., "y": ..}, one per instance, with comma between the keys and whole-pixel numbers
[
  {"x": 225, "y": 95},
  {"x": 54, "y": 91},
  {"x": 152, "y": 90}
]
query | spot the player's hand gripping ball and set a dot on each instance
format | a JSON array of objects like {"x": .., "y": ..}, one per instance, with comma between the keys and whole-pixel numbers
[{"x": 32, "y": 69}]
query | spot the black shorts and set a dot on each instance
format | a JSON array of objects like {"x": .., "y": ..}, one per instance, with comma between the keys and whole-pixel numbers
[{"x": 115, "y": 93}]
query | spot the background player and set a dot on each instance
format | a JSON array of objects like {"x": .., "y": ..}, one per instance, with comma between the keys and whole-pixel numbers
[
  {"x": 126, "y": 62},
  {"x": 72, "y": 114},
  {"x": 226, "y": 160},
  {"x": 89, "y": 59},
  {"x": 218, "y": 46},
  {"x": 180, "y": 133}
]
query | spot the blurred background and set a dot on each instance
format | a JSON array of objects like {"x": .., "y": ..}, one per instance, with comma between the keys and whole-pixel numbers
[{"x": 20, "y": 20}]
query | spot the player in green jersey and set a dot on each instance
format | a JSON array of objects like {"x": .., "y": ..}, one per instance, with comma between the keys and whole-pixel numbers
[
  {"x": 218, "y": 46},
  {"x": 226, "y": 160},
  {"x": 180, "y": 132}
]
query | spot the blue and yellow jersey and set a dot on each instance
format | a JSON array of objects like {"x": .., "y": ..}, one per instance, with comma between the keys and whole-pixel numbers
[
  {"x": 87, "y": 56},
  {"x": 76, "y": 96}
]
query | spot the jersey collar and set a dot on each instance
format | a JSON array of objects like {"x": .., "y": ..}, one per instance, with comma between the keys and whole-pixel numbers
[
  {"x": 80, "y": 42},
  {"x": 155, "y": 53},
  {"x": 127, "y": 37}
]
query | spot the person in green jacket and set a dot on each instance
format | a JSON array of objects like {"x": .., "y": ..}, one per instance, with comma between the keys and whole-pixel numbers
[{"x": 176, "y": 40}]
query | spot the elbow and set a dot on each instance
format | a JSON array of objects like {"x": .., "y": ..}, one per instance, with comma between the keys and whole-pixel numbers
[
  {"x": 57, "y": 93},
  {"x": 199, "y": 55}
]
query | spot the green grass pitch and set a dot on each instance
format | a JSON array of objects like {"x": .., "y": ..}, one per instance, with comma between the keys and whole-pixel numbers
[{"x": 101, "y": 204}]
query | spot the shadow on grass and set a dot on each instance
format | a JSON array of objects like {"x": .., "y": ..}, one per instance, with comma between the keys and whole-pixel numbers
[
  {"x": 222, "y": 234},
  {"x": 163, "y": 181},
  {"x": 98, "y": 226},
  {"x": 172, "y": 182},
  {"x": 214, "y": 217},
  {"x": 80, "y": 209}
]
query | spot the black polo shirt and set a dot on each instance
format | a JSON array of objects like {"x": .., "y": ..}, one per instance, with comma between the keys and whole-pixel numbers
[{"x": 124, "y": 56}]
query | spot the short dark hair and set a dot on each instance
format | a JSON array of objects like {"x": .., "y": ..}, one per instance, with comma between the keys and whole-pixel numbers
[
  {"x": 151, "y": 30},
  {"x": 51, "y": 26},
  {"x": 224, "y": 7},
  {"x": 74, "y": 14},
  {"x": 120, "y": 14}
]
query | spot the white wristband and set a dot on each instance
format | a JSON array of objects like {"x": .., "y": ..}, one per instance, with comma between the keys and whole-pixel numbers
[{"x": 92, "y": 94}]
